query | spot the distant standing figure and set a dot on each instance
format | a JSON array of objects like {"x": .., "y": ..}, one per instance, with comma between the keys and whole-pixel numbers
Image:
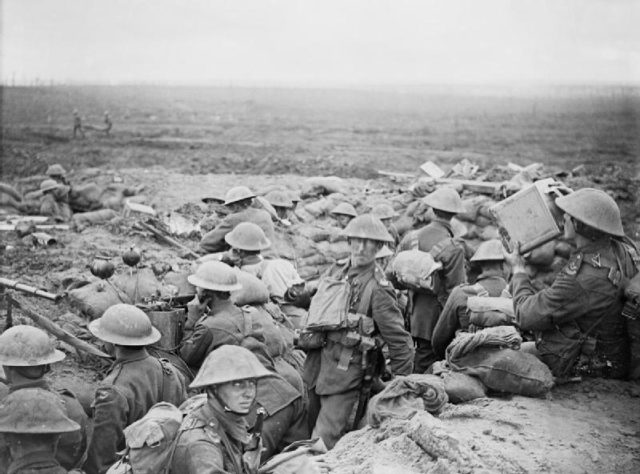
[
  {"x": 108, "y": 123},
  {"x": 77, "y": 124}
]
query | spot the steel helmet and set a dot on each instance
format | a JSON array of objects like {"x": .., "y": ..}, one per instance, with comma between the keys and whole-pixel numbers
[
  {"x": 594, "y": 208},
  {"x": 294, "y": 196},
  {"x": 56, "y": 170},
  {"x": 247, "y": 236},
  {"x": 346, "y": 209},
  {"x": 489, "y": 250},
  {"x": 26, "y": 346},
  {"x": 383, "y": 211},
  {"x": 239, "y": 193},
  {"x": 229, "y": 363},
  {"x": 34, "y": 411},
  {"x": 48, "y": 185},
  {"x": 367, "y": 226},
  {"x": 125, "y": 325},
  {"x": 445, "y": 199},
  {"x": 279, "y": 199},
  {"x": 384, "y": 252},
  {"x": 216, "y": 276}
]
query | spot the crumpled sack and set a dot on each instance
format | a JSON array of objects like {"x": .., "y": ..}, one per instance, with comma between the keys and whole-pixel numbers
[
  {"x": 253, "y": 291},
  {"x": 461, "y": 387},
  {"x": 466, "y": 342},
  {"x": 405, "y": 396}
]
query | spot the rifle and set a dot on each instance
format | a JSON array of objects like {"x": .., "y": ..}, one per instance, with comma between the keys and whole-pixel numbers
[
  {"x": 31, "y": 290},
  {"x": 367, "y": 346},
  {"x": 256, "y": 432}
]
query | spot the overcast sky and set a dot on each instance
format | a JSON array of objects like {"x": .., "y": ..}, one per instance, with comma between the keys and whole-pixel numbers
[{"x": 316, "y": 42}]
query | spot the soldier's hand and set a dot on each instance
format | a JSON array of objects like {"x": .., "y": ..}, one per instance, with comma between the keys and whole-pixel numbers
[{"x": 515, "y": 259}]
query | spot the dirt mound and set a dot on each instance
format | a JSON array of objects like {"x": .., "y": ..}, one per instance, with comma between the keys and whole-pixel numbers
[{"x": 589, "y": 427}]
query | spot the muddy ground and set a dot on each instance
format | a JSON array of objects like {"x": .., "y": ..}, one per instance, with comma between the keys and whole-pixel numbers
[{"x": 185, "y": 144}]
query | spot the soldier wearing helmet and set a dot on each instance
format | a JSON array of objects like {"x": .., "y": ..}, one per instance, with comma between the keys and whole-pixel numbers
[
  {"x": 221, "y": 322},
  {"x": 214, "y": 437},
  {"x": 239, "y": 202},
  {"x": 490, "y": 282},
  {"x": 281, "y": 202},
  {"x": 77, "y": 124},
  {"x": 338, "y": 371},
  {"x": 57, "y": 173},
  {"x": 226, "y": 324},
  {"x": 32, "y": 421},
  {"x": 437, "y": 238},
  {"x": 55, "y": 200},
  {"x": 247, "y": 242},
  {"x": 577, "y": 320},
  {"x": 26, "y": 354},
  {"x": 386, "y": 214},
  {"x": 343, "y": 213},
  {"x": 135, "y": 383}
]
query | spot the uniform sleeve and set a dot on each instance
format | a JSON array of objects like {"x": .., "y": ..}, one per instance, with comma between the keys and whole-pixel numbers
[
  {"x": 448, "y": 322},
  {"x": 563, "y": 301},
  {"x": 199, "y": 456},
  {"x": 213, "y": 241},
  {"x": 195, "y": 347},
  {"x": 110, "y": 418},
  {"x": 388, "y": 319},
  {"x": 453, "y": 268}
]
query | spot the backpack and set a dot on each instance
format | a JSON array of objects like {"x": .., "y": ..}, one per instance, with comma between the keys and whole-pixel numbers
[
  {"x": 329, "y": 309},
  {"x": 152, "y": 440}
]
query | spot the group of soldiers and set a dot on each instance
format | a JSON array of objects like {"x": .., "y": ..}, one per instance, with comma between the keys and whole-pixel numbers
[{"x": 264, "y": 380}]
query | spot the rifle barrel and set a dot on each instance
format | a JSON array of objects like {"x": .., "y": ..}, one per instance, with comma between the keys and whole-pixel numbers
[{"x": 32, "y": 290}]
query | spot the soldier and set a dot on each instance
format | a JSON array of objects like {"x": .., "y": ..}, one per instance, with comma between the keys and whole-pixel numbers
[
  {"x": 343, "y": 213},
  {"x": 221, "y": 321},
  {"x": 341, "y": 363},
  {"x": 31, "y": 421},
  {"x": 57, "y": 173},
  {"x": 55, "y": 200},
  {"x": 247, "y": 242},
  {"x": 214, "y": 436},
  {"x": 578, "y": 322},
  {"x": 281, "y": 202},
  {"x": 108, "y": 124},
  {"x": 490, "y": 282},
  {"x": 238, "y": 200},
  {"x": 26, "y": 354},
  {"x": 134, "y": 384},
  {"x": 386, "y": 213},
  {"x": 437, "y": 238},
  {"x": 77, "y": 124}
]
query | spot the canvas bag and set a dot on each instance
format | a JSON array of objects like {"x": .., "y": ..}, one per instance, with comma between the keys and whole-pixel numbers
[
  {"x": 416, "y": 270},
  {"x": 490, "y": 311}
]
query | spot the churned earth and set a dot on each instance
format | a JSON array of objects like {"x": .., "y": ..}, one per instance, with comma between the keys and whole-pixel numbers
[{"x": 185, "y": 145}]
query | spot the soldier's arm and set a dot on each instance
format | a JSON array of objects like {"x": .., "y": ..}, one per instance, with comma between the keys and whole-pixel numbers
[
  {"x": 388, "y": 319},
  {"x": 194, "y": 348},
  {"x": 109, "y": 419},
  {"x": 563, "y": 301},
  {"x": 453, "y": 268},
  {"x": 213, "y": 241},
  {"x": 448, "y": 322}
]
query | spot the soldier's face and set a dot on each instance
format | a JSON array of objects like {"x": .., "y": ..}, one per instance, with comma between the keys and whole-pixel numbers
[
  {"x": 342, "y": 220},
  {"x": 363, "y": 251},
  {"x": 569, "y": 228},
  {"x": 238, "y": 395}
]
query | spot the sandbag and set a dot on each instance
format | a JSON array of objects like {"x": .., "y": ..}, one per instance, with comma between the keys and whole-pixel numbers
[
  {"x": 179, "y": 281},
  {"x": 461, "y": 387},
  {"x": 279, "y": 275},
  {"x": 253, "y": 290},
  {"x": 406, "y": 395},
  {"x": 139, "y": 285},
  {"x": 415, "y": 269},
  {"x": 324, "y": 185},
  {"x": 507, "y": 370},
  {"x": 92, "y": 300},
  {"x": 334, "y": 250},
  {"x": 94, "y": 217},
  {"x": 85, "y": 197}
]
